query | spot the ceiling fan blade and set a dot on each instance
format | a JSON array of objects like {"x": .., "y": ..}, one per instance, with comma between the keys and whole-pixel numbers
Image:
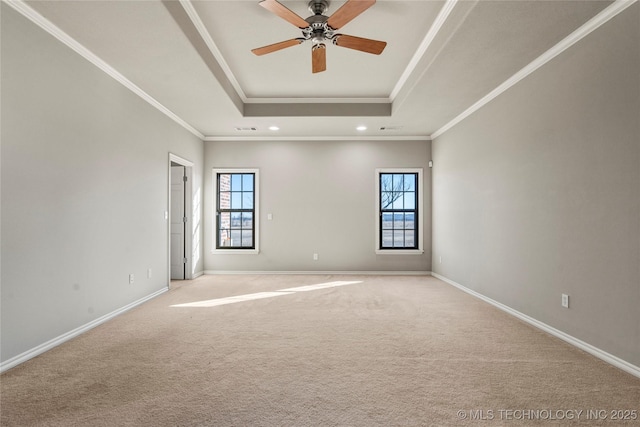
[
  {"x": 348, "y": 11},
  {"x": 276, "y": 46},
  {"x": 284, "y": 13},
  {"x": 358, "y": 43},
  {"x": 318, "y": 58}
]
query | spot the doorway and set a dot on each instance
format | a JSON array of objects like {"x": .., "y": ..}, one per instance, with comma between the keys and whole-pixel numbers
[{"x": 180, "y": 218}]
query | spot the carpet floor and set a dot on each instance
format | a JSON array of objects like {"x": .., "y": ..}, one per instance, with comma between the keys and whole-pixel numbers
[{"x": 313, "y": 350}]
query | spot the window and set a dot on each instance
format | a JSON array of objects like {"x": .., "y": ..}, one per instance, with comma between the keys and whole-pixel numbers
[
  {"x": 236, "y": 210},
  {"x": 399, "y": 210}
]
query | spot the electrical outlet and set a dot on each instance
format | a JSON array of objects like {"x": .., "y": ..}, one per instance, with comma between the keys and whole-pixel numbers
[
  {"x": 148, "y": 273},
  {"x": 565, "y": 300},
  {"x": 315, "y": 257},
  {"x": 131, "y": 279},
  {"x": 440, "y": 259}
]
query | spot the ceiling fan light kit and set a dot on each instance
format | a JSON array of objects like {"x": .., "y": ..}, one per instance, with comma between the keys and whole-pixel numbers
[{"x": 320, "y": 28}]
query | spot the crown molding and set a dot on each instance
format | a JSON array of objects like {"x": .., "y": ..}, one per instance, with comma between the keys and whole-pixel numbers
[
  {"x": 315, "y": 138},
  {"x": 594, "y": 23},
  {"x": 604, "y": 16},
  {"x": 21, "y": 7},
  {"x": 213, "y": 48},
  {"x": 424, "y": 45}
]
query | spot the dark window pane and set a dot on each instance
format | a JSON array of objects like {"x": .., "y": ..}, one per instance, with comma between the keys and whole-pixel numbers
[
  {"x": 398, "y": 200},
  {"x": 410, "y": 182},
  {"x": 225, "y": 237},
  {"x": 225, "y": 200},
  {"x": 409, "y": 220},
  {"x": 224, "y": 182},
  {"x": 398, "y": 204},
  {"x": 247, "y": 200},
  {"x": 236, "y": 200},
  {"x": 398, "y": 220},
  {"x": 409, "y": 238},
  {"x": 247, "y": 220},
  {"x": 410, "y": 200},
  {"x": 398, "y": 238},
  {"x": 247, "y": 238},
  {"x": 236, "y": 219},
  {"x": 236, "y": 192},
  {"x": 387, "y": 220},
  {"x": 398, "y": 182},
  {"x": 236, "y": 236},
  {"x": 225, "y": 220},
  {"x": 387, "y": 200},
  {"x": 247, "y": 182},
  {"x": 387, "y": 238},
  {"x": 386, "y": 183},
  {"x": 236, "y": 182}
]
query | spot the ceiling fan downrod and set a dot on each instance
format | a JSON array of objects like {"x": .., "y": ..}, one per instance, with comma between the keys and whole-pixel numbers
[{"x": 318, "y": 7}]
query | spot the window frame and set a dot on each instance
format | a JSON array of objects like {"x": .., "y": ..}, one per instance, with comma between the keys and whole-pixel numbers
[
  {"x": 256, "y": 213},
  {"x": 419, "y": 214}
]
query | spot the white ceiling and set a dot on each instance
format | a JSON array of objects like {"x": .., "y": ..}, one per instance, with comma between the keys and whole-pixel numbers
[{"x": 194, "y": 59}]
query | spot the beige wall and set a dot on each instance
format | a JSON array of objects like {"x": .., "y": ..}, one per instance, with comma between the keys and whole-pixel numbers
[
  {"x": 84, "y": 189},
  {"x": 538, "y": 193},
  {"x": 322, "y": 198}
]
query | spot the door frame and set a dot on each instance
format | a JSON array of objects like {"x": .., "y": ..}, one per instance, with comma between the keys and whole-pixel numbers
[{"x": 188, "y": 207}]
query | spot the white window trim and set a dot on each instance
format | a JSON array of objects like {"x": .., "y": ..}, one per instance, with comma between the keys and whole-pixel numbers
[
  {"x": 420, "y": 249},
  {"x": 256, "y": 218}
]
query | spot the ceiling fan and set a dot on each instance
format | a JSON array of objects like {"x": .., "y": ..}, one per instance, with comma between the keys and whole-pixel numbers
[{"x": 319, "y": 28}]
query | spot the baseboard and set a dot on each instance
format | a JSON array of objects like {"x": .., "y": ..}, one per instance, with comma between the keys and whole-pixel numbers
[
  {"x": 594, "y": 351},
  {"x": 197, "y": 274},
  {"x": 36, "y": 351},
  {"x": 321, "y": 273}
]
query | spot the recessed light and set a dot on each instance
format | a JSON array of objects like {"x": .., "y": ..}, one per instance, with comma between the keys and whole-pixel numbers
[
  {"x": 361, "y": 128},
  {"x": 274, "y": 128}
]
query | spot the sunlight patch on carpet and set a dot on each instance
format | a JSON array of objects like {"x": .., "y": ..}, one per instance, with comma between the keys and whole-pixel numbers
[
  {"x": 319, "y": 286},
  {"x": 262, "y": 295}
]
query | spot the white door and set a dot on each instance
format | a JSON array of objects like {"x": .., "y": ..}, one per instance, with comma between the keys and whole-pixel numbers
[{"x": 178, "y": 223}]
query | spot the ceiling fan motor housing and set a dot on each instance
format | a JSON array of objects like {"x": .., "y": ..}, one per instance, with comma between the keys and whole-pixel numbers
[{"x": 318, "y": 30}]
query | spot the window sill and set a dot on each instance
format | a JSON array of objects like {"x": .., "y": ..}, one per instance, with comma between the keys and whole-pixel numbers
[
  {"x": 399, "y": 251},
  {"x": 235, "y": 251}
]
